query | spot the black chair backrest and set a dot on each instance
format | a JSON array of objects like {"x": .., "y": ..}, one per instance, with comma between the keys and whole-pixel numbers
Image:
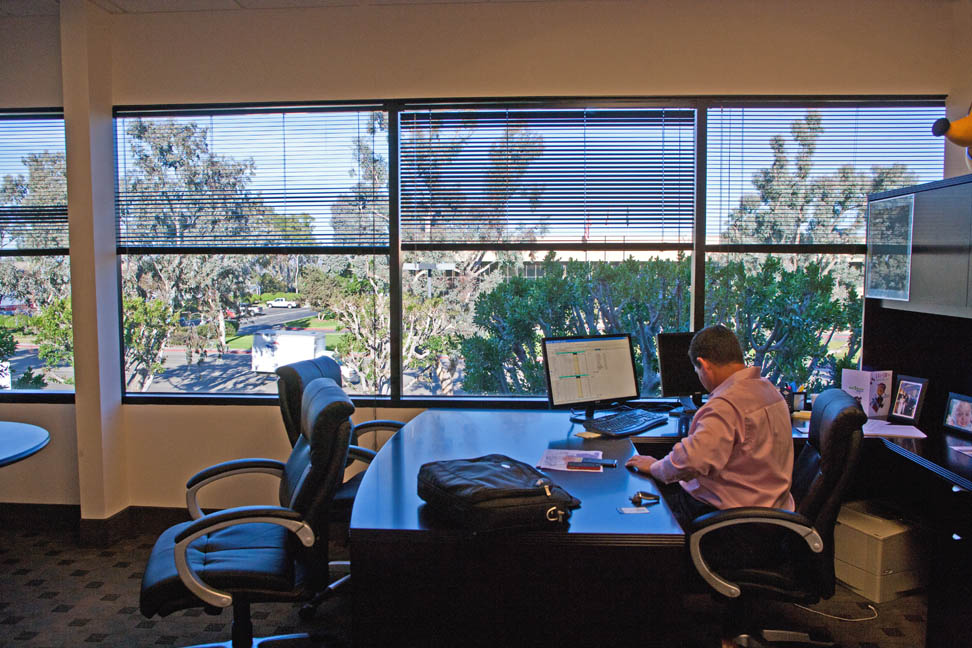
[
  {"x": 293, "y": 378},
  {"x": 315, "y": 468},
  {"x": 824, "y": 469}
]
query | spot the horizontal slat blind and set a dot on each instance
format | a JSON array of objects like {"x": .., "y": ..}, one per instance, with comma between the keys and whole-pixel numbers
[
  {"x": 551, "y": 176},
  {"x": 260, "y": 179},
  {"x": 848, "y": 153},
  {"x": 33, "y": 193}
]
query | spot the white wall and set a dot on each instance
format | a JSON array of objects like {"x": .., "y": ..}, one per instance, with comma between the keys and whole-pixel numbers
[
  {"x": 30, "y": 62},
  {"x": 536, "y": 48},
  {"x": 51, "y": 475},
  {"x": 597, "y": 47}
]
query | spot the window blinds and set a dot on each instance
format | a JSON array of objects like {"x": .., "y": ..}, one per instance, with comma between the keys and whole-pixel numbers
[
  {"x": 250, "y": 179},
  {"x": 801, "y": 175},
  {"x": 508, "y": 176},
  {"x": 33, "y": 183}
]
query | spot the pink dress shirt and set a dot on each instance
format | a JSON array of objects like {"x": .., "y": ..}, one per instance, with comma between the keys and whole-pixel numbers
[{"x": 739, "y": 448}]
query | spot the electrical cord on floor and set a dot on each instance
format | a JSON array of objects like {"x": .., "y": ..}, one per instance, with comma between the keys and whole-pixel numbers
[{"x": 831, "y": 616}]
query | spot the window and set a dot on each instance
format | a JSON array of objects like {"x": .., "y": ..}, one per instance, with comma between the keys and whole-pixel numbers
[
  {"x": 36, "y": 343},
  {"x": 430, "y": 246},
  {"x": 522, "y": 222},
  {"x": 251, "y": 238},
  {"x": 786, "y": 202}
]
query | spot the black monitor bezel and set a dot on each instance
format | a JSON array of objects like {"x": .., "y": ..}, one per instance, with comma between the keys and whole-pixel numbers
[
  {"x": 589, "y": 406},
  {"x": 666, "y": 389}
]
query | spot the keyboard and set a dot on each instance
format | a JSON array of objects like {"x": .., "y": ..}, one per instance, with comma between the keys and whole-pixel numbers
[{"x": 626, "y": 423}]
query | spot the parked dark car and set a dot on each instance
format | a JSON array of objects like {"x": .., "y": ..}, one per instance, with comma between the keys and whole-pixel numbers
[{"x": 190, "y": 319}]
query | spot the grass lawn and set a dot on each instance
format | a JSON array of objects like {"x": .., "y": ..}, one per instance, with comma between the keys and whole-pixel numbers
[
  {"x": 241, "y": 343},
  {"x": 313, "y": 323}
]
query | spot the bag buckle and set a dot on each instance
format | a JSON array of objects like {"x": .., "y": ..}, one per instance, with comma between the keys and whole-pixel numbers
[
  {"x": 546, "y": 486},
  {"x": 554, "y": 514}
]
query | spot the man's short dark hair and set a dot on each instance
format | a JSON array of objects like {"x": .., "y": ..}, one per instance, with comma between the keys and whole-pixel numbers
[{"x": 717, "y": 344}]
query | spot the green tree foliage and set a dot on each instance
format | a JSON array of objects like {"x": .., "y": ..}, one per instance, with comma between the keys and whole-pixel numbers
[
  {"x": 36, "y": 279},
  {"x": 359, "y": 299},
  {"x": 147, "y": 327},
  {"x": 793, "y": 205},
  {"x": 29, "y": 380},
  {"x": 173, "y": 166},
  {"x": 8, "y": 344},
  {"x": 789, "y": 311},
  {"x": 573, "y": 298},
  {"x": 361, "y": 216},
  {"x": 55, "y": 336},
  {"x": 439, "y": 287},
  {"x": 45, "y": 185},
  {"x": 785, "y": 319}
]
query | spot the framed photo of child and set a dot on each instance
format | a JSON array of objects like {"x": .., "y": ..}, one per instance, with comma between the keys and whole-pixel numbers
[
  {"x": 909, "y": 394},
  {"x": 958, "y": 412}
]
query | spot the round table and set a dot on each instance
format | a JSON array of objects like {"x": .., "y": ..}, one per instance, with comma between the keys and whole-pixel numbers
[{"x": 20, "y": 440}]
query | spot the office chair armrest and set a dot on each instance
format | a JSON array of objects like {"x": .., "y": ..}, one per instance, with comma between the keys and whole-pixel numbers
[
  {"x": 361, "y": 454},
  {"x": 287, "y": 518},
  {"x": 709, "y": 522},
  {"x": 378, "y": 424},
  {"x": 227, "y": 469},
  {"x": 746, "y": 515}
]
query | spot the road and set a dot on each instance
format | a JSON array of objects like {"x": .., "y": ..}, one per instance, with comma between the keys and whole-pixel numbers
[{"x": 229, "y": 374}]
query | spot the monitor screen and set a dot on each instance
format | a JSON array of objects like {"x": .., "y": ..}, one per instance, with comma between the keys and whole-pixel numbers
[
  {"x": 678, "y": 377},
  {"x": 589, "y": 371}
]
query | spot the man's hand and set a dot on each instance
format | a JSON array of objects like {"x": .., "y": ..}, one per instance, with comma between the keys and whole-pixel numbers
[{"x": 641, "y": 463}]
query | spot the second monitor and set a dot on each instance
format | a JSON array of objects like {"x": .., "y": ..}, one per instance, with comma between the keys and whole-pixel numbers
[{"x": 678, "y": 377}]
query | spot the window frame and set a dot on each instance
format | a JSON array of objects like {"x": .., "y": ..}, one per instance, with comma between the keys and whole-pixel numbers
[
  {"x": 39, "y": 395},
  {"x": 697, "y": 247}
]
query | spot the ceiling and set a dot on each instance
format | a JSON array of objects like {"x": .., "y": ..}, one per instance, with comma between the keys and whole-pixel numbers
[{"x": 50, "y": 7}]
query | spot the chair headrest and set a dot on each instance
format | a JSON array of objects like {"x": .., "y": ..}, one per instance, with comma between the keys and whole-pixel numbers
[
  {"x": 325, "y": 406},
  {"x": 835, "y": 412},
  {"x": 291, "y": 381}
]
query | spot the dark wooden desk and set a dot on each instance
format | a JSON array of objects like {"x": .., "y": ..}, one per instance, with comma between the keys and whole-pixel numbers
[
  {"x": 930, "y": 483},
  {"x": 417, "y": 581},
  {"x": 20, "y": 440}
]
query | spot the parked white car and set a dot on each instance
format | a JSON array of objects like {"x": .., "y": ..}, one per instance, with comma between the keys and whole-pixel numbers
[{"x": 281, "y": 302}]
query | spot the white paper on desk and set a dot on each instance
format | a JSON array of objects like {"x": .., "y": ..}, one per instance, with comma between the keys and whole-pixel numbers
[
  {"x": 875, "y": 427},
  {"x": 557, "y": 459}
]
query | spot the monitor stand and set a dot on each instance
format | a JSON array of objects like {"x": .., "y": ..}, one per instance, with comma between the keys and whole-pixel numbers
[
  {"x": 689, "y": 406},
  {"x": 590, "y": 413}
]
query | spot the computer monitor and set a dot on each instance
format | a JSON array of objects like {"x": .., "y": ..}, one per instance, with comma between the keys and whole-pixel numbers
[
  {"x": 678, "y": 377},
  {"x": 592, "y": 372}
]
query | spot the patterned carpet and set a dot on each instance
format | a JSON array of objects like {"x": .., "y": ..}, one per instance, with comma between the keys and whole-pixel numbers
[{"x": 55, "y": 594}]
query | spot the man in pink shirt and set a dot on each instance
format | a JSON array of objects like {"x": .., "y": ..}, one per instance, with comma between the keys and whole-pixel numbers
[{"x": 739, "y": 448}]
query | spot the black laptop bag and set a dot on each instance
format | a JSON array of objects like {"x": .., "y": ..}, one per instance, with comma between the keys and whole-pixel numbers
[{"x": 494, "y": 492}]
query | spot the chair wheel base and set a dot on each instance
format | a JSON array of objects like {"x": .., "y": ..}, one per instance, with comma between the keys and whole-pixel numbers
[{"x": 301, "y": 640}]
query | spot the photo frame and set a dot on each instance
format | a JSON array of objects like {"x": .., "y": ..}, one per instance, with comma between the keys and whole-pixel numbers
[
  {"x": 958, "y": 412},
  {"x": 909, "y": 394}
]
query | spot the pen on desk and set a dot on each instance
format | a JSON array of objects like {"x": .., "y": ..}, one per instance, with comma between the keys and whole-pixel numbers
[{"x": 583, "y": 465}]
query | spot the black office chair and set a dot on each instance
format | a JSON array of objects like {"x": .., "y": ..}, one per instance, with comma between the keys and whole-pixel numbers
[
  {"x": 238, "y": 556},
  {"x": 290, "y": 386},
  {"x": 782, "y": 555}
]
